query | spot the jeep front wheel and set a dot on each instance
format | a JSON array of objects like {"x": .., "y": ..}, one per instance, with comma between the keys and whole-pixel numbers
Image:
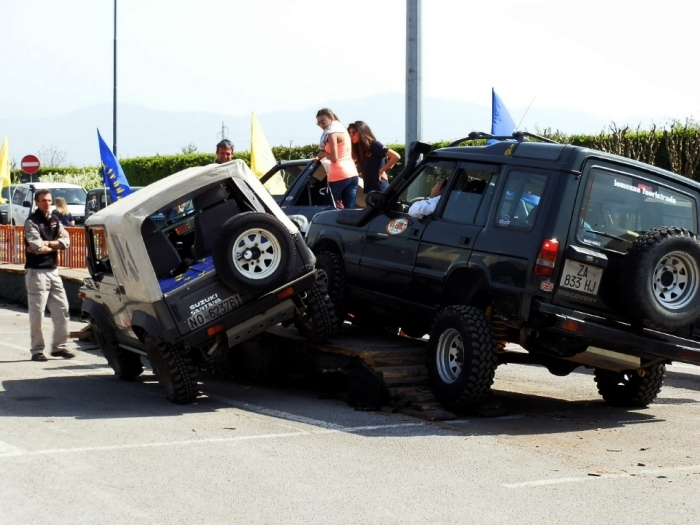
[
  {"x": 319, "y": 321},
  {"x": 126, "y": 365},
  {"x": 174, "y": 370},
  {"x": 332, "y": 263},
  {"x": 630, "y": 388},
  {"x": 253, "y": 252},
  {"x": 661, "y": 277},
  {"x": 461, "y": 357}
]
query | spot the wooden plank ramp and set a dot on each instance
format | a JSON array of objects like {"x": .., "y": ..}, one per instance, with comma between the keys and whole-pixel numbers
[{"x": 398, "y": 362}]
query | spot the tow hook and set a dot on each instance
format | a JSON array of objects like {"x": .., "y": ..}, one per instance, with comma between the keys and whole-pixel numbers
[{"x": 641, "y": 372}]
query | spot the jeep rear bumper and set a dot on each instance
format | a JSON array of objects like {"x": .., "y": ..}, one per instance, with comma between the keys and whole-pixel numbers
[
  {"x": 257, "y": 316},
  {"x": 620, "y": 337}
]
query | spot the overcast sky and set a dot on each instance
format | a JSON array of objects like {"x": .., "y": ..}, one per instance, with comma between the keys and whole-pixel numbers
[{"x": 612, "y": 58}]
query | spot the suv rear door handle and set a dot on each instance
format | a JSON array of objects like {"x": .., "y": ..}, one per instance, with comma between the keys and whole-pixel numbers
[{"x": 465, "y": 241}]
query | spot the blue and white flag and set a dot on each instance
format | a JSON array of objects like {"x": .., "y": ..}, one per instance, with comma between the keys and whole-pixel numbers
[
  {"x": 501, "y": 122},
  {"x": 112, "y": 172}
]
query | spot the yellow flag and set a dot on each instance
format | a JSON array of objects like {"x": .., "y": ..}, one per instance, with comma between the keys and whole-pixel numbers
[
  {"x": 4, "y": 167},
  {"x": 262, "y": 159}
]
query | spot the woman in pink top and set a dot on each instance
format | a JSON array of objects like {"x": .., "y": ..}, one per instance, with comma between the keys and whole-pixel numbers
[{"x": 336, "y": 147}]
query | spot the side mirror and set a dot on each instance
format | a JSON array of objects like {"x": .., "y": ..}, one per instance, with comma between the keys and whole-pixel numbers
[
  {"x": 375, "y": 199},
  {"x": 26, "y": 204}
]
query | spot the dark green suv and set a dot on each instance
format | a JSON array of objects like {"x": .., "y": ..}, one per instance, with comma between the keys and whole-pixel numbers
[{"x": 580, "y": 257}]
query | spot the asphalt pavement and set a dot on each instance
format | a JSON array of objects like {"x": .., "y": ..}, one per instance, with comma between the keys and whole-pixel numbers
[{"x": 78, "y": 445}]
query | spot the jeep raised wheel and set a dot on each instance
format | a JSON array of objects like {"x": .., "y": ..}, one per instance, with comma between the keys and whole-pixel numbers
[
  {"x": 631, "y": 388},
  {"x": 319, "y": 321},
  {"x": 253, "y": 252},
  {"x": 461, "y": 357},
  {"x": 334, "y": 267},
  {"x": 126, "y": 365},
  {"x": 174, "y": 369},
  {"x": 660, "y": 279}
]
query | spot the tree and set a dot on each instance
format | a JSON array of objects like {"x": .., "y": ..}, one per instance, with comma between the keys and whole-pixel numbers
[
  {"x": 190, "y": 148},
  {"x": 51, "y": 157}
]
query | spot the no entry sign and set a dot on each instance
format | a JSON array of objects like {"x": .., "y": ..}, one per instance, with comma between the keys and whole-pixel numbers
[{"x": 30, "y": 164}]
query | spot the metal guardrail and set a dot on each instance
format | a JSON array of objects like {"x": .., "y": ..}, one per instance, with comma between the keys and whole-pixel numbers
[{"x": 12, "y": 248}]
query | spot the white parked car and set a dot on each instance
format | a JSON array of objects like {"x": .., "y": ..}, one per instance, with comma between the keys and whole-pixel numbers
[{"x": 23, "y": 204}]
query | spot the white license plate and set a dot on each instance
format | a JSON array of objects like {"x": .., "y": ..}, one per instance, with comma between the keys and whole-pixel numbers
[
  {"x": 214, "y": 312},
  {"x": 581, "y": 277}
]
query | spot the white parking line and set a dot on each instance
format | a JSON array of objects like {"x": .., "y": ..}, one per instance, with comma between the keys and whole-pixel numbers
[
  {"x": 14, "y": 347},
  {"x": 638, "y": 473},
  {"x": 10, "y": 451}
]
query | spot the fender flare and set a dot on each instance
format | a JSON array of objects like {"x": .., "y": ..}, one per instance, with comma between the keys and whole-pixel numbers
[
  {"x": 142, "y": 322},
  {"x": 325, "y": 237},
  {"x": 95, "y": 311},
  {"x": 463, "y": 284}
]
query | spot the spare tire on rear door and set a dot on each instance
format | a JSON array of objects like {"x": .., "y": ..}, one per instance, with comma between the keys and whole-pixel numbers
[
  {"x": 253, "y": 252},
  {"x": 660, "y": 277}
]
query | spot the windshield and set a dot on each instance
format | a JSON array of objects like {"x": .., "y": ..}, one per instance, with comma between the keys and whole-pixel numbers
[
  {"x": 73, "y": 196},
  {"x": 279, "y": 182},
  {"x": 618, "y": 208},
  {"x": 6, "y": 193}
]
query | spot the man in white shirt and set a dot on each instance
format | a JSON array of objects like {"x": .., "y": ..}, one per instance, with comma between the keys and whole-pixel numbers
[{"x": 427, "y": 206}]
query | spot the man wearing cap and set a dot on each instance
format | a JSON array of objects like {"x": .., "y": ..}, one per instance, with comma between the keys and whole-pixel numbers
[
  {"x": 224, "y": 151},
  {"x": 44, "y": 237}
]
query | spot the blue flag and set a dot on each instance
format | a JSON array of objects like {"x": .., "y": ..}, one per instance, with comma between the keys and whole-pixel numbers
[
  {"x": 112, "y": 173},
  {"x": 501, "y": 122}
]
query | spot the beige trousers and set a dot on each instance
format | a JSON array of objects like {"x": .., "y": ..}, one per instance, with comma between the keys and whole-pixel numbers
[{"x": 45, "y": 288}]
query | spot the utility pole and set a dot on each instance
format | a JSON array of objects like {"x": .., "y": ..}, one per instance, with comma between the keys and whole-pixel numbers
[
  {"x": 414, "y": 125},
  {"x": 114, "y": 99},
  {"x": 223, "y": 133}
]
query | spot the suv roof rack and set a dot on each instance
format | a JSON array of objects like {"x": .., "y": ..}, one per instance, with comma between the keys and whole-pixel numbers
[{"x": 519, "y": 136}]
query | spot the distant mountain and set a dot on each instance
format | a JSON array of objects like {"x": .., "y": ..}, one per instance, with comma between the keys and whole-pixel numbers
[{"x": 144, "y": 132}]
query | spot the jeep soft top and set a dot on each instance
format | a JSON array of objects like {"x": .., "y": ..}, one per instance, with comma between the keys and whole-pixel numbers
[{"x": 224, "y": 266}]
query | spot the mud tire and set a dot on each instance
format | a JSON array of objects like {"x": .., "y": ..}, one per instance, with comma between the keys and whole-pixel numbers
[
  {"x": 126, "y": 365},
  {"x": 175, "y": 372},
  {"x": 253, "y": 252},
  {"x": 462, "y": 357},
  {"x": 319, "y": 321},
  {"x": 660, "y": 284},
  {"x": 629, "y": 388},
  {"x": 332, "y": 263}
]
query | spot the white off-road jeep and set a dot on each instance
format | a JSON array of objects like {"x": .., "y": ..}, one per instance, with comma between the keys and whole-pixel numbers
[{"x": 190, "y": 266}]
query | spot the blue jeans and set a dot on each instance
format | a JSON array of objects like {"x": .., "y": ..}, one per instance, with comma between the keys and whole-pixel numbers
[{"x": 345, "y": 191}]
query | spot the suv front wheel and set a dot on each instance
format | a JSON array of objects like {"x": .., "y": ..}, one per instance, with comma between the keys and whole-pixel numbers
[
  {"x": 126, "y": 365},
  {"x": 319, "y": 321},
  {"x": 462, "y": 357}
]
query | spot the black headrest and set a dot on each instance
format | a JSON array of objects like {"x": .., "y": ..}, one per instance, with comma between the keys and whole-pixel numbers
[
  {"x": 211, "y": 196},
  {"x": 148, "y": 227}
]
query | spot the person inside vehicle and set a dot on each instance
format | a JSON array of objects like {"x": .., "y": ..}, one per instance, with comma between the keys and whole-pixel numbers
[
  {"x": 427, "y": 206},
  {"x": 62, "y": 213},
  {"x": 224, "y": 151},
  {"x": 176, "y": 211}
]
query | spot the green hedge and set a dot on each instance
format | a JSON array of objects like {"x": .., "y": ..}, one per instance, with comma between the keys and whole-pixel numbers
[{"x": 675, "y": 148}]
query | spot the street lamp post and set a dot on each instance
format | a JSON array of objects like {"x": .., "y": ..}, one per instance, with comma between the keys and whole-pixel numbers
[{"x": 413, "y": 72}]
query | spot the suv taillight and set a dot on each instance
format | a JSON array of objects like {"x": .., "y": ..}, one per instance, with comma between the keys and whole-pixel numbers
[{"x": 547, "y": 258}]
